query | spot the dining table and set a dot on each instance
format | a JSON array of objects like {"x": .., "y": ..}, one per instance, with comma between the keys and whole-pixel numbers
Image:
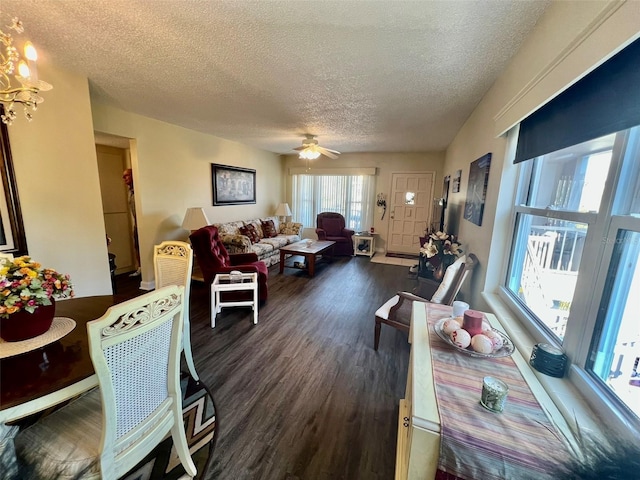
[{"x": 40, "y": 378}]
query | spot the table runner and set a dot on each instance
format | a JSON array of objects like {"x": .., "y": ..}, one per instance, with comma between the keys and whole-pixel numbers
[{"x": 519, "y": 443}]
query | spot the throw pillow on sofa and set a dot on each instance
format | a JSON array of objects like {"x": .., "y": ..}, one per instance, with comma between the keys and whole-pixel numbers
[
  {"x": 290, "y": 228},
  {"x": 250, "y": 231},
  {"x": 269, "y": 229}
]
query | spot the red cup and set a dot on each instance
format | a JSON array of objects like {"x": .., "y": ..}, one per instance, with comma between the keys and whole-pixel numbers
[
  {"x": 472, "y": 322},
  {"x": 371, "y": 230}
]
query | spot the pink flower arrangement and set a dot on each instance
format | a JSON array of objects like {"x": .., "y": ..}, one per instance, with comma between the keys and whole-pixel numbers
[{"x": 25, "y": 285}]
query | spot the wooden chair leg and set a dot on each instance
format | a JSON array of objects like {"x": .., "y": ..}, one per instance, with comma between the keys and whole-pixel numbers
[{"x": 376, "y": 340}]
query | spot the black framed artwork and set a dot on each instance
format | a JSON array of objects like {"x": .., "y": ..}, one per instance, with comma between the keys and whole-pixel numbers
[
  {"x": 456, "y": 181},
  {"x": 477, "y": 189},
  {"x": 233, "y": 185},
  {"x": 12, "y": 234}
]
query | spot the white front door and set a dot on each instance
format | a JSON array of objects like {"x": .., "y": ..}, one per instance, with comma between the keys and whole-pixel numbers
[{"x": 410, "y": 210}]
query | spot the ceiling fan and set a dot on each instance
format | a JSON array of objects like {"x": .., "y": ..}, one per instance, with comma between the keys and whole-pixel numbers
[{"x": 310, "y": 150}]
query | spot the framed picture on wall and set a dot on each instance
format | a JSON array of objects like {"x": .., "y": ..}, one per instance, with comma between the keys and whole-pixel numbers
[
  {"x": 233, "y": 185},
  {"x": 477, "y": 189},
  {"x": 455, "y": 188}
]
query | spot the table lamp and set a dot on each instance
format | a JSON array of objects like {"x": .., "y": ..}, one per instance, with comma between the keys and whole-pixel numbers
[
  {"x": 195, "y": 218},
  {"x": 283, "y": 210}
]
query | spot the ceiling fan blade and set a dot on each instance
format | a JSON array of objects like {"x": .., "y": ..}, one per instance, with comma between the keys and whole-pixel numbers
[
  {"x": 329, "y": 153},
  {"x": 300, "y": 148}
]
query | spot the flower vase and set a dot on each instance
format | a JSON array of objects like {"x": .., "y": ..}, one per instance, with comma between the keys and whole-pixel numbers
[
  {"x": 425, "y": 269},
  {"x": 23, "y": 325},
  {"x": 438, "y": 273}
]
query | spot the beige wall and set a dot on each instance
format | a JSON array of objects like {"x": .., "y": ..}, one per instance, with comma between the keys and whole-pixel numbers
[
  {"x": 571, "y": 39},
  {"x": 385, "y": 164},
  {"x": 57, "y": 175},
  {"x": 172, "y": 171}
]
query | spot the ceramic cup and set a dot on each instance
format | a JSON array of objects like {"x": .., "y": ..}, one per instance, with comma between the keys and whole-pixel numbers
[
  {"x": 459, "y": 308},
  {"x": 494, "y": 394}
]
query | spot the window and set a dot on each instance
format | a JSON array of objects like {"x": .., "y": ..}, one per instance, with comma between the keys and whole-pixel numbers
[
  {"x": 576, "y": 248},
  {"x": 350, "y": 195},
  {"x": 562, "y": 197}
]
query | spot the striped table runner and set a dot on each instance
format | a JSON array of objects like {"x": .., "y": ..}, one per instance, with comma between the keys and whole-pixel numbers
[{"x": 476, "y": 444}]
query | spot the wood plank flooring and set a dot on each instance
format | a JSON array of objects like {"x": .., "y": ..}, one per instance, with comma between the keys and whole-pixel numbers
[{"x": 302, "y": 394}]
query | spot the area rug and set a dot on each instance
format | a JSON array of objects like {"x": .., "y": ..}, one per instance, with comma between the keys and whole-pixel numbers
[
  {"x": 199, "y": 414},
  {"x": 402, "y": 255}
]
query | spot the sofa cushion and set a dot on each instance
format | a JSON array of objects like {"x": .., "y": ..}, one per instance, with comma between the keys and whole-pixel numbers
[
  {"x": 229, "y": 228},
  {"x": 269, "y": 229},
  {"x": 262, "y": 248},
  {"x": 277, "y": 242},
  {"x": 250, "y": 231},
  {"x": 290, "y": 228},
  {"x": 332, "y": 226}
]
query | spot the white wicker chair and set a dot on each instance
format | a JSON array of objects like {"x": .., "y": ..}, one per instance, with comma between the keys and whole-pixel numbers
[
  {"x": 172, "y": 265},
  {"x": 135, "y": 349}
]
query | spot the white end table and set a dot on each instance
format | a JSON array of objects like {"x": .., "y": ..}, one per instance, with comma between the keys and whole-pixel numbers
[
  {"x": 222, "y": 283},
  {"x": 366, "y": 238}
]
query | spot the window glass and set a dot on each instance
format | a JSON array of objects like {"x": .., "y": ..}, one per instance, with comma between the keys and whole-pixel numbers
[
  {"x": 572, "y": 179},
  {"x": 618, "y": 343},
  {"x": 350, "y": 195},
  {"x": 544, "y": 267},
  {"x": 410, "y": 198}
]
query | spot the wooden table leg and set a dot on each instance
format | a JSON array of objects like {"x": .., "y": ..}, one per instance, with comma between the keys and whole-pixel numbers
[
  {"x": 311, "y": 264},
  {"x": 281, "y": 261}
]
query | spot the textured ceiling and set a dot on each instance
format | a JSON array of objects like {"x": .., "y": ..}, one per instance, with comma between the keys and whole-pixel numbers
[{"x": 365, "y": 76}]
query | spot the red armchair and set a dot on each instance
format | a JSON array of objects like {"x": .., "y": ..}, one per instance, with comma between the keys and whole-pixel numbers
[
  {"x": 213, "y": 258},
  {"x": 331, "y": 226}
]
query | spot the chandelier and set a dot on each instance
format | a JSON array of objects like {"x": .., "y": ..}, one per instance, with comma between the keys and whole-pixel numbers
[{"x": 19, "y": 82}]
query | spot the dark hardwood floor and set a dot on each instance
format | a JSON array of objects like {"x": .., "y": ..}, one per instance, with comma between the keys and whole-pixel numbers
[{"x": 302, "y": 394}]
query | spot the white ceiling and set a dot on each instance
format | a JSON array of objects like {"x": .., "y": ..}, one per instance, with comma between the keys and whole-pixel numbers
[{"x": 365, "y": 76}]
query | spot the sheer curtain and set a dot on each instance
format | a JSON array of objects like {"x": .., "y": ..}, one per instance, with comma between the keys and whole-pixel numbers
[{"x": 352, "y": 196}]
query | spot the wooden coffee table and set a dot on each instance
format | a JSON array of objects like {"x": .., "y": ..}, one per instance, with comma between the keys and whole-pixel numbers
[{"x": 309, "y": 252}]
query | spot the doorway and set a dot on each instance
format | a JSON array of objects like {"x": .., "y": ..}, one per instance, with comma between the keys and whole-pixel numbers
[
  {"x": 410, "y": 210},
  {"x": 113, "y": 159}
]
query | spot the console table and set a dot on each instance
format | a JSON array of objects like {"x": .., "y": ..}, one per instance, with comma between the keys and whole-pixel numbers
[{"x": 475, "y": 443}]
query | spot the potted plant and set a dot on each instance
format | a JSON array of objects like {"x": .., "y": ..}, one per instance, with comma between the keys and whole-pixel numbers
[
  {"x": 27, "y": 294},
  {"x": 438, "y": 251}
]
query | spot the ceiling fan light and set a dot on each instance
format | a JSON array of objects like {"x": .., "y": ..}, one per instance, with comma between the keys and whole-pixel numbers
[{"x": 309, "y": 153}]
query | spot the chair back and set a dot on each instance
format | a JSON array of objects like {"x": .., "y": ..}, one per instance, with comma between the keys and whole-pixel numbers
[
  {"x": 451, "y": 284},
  {"x": 331, "y": 222},
  {"x": 209, "y": 251},
  {"x": 173, "y": 265},
  {"x": 135, "y": 348}
]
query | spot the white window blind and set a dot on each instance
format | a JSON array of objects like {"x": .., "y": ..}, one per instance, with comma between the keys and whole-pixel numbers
[{"x": 350, "y": 195}]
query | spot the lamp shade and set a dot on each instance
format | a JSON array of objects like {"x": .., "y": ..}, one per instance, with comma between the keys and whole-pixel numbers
[
  {"x": 195, "y": 218},
  {"x": 283, "y": 210}
]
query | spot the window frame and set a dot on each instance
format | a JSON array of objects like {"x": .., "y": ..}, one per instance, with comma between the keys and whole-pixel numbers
[{"x": 580, "y": 337}]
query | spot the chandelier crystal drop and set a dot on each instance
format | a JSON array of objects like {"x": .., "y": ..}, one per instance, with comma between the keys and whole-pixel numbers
[{"x": 19, "y": 82}]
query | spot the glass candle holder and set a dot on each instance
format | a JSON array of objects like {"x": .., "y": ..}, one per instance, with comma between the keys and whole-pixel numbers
[
  {"x": 235, "y": 276},
  {"x": 494, "y": 394}
]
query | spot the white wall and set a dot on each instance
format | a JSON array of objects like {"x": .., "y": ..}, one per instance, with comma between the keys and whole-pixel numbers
[
  {"x": 57, "y": 175},
  {"x": 172, "y": 171},
  {"x": 570, "y": 40}
]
